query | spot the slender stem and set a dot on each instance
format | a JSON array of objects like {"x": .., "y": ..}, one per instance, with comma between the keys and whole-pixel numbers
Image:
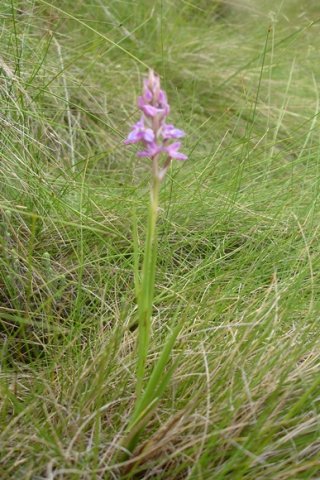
[{"x": 145, "y": 300}]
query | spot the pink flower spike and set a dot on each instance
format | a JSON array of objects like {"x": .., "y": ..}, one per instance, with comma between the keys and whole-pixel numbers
[{"x": 152, "y": 131}]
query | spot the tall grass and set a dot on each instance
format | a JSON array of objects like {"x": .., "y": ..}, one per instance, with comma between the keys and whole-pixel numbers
[{"x": 238, "y": 253}]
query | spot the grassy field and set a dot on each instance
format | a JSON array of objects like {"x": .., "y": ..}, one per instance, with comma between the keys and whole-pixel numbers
[{"x": 238, "y": 256}]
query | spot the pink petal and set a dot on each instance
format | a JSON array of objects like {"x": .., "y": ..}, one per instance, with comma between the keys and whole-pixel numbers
[
  {"x": 174, "y": 146},
  {"x": 169, "y": 131},
  {"x": 141, "y": 102},
  {"x": 133, "y": 137},
  {"x": 147, "y": 94},
  {"x": 179, "y": 156},
  {"x": 148, "y": 135},
  {"x": 163, "y": 98},
  {"x": 149, "y": 110}
]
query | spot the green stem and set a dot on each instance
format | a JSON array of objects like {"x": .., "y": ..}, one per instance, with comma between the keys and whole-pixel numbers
[{"x": 145, "y": 299}]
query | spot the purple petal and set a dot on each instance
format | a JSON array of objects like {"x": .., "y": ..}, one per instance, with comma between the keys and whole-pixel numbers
[
  {"x": 173, "y": 147},
  {"x": 149, "y": 110},
  {"x": 133, "y": 137},
  {"x": 148, "y": 135},
  {"x": 139, "y": 124},
  {"x": 151, "y": 150},
  {"x": 154, "y": 149},
  {"x": 173, "y": 151},
  {"x": 141, "y": 102},
  {"x": 164, "y": 102},
  {"x": 177, "y": 133},
  {"x": 163, "y": 98},
  {"x": 147, "y": 94},
  {"x": 179, "y": 156},
  {"x": 169, "y": 131}
]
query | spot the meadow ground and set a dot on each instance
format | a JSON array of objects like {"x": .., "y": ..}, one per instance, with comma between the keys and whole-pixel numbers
[{"x": 238, "y": 258}]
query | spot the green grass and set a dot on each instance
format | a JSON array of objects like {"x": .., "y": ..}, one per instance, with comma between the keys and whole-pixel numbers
[{"x": 238, "y": 257}]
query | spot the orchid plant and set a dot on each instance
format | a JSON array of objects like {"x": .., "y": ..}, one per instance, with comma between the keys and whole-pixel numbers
[{"x": 158, "y": 140}]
